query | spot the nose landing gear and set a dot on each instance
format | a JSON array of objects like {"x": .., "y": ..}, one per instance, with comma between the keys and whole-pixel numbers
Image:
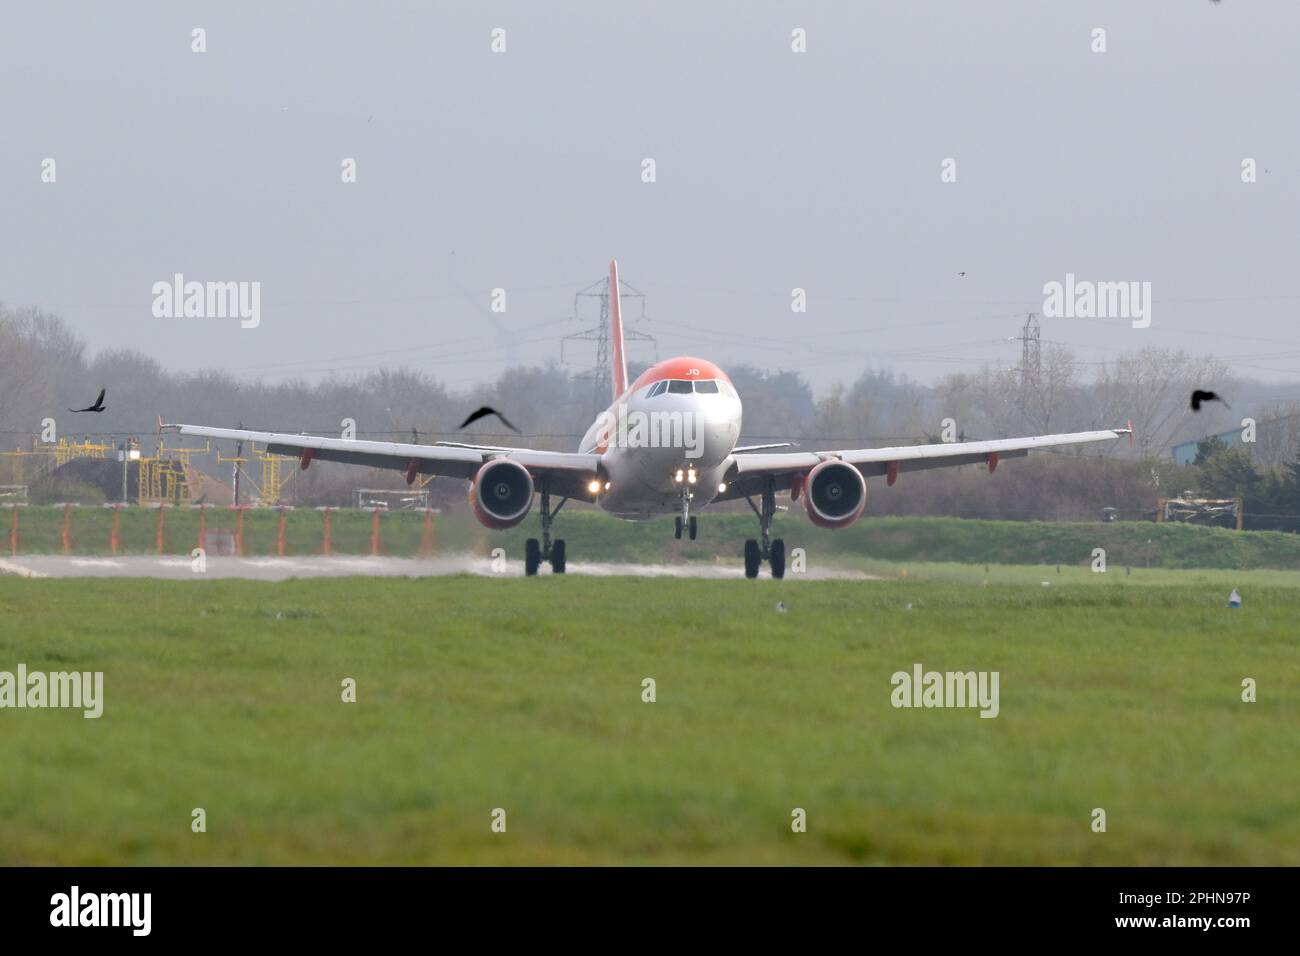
[
  {"x": 685, "y": 520},
  {"x": 769, "y": 550}
]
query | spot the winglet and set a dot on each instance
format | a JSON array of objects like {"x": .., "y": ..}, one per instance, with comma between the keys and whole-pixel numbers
[{"x": 616, "y": 332}]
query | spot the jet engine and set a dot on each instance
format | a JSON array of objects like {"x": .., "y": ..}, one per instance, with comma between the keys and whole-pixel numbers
[
  {"x": 501, "y": 494},
  {"x": 834, "y": 494}
]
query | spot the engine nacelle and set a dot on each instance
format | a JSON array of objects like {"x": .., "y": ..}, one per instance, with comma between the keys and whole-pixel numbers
[
  {"x": 834, "y": 494},
  {"x": 501, "y": 494}
]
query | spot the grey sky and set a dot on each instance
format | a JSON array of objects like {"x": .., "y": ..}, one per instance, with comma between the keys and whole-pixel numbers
[{"x": 775, "y": 170}]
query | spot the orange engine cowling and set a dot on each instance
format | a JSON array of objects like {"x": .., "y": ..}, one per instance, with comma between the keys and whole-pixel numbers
[
  {"x": 501, "y": 494},
  {"x": 834, "y": 494}
]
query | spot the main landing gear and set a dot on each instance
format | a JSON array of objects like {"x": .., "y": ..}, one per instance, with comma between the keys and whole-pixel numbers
[
  {"x": 536, "y": 552},
  {"x": 769, "y": 550}
]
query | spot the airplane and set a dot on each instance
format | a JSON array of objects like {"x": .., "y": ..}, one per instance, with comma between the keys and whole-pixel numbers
[{"x": 668, "y": 444}]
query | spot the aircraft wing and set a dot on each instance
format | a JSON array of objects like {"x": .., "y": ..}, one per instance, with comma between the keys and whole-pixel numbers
[
  {"x": 748, "y": 474},
  {"x": 564, "y": 473}
]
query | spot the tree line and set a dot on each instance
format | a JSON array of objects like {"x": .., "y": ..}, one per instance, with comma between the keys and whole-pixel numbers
[{"x": 46, "y": 368}]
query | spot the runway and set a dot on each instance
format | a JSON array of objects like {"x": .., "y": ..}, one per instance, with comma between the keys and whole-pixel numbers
[{"x": 180, "y": 568}]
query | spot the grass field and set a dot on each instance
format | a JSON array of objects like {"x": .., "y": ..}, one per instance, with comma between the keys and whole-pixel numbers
[{"x": 1116, "y": 692}]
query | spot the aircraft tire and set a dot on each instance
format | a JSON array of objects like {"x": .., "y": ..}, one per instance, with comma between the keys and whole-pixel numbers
[{"x": 777, "y": 558}]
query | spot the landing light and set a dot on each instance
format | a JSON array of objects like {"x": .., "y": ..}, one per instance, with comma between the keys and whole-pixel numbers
[
  {"x": 678, "y": 476},
  {"x": 594, "y": 487},
  {"x": 690, "y": 476},
  {"x": 607, "y": 486},
  {"x": 722, "y": 486}
]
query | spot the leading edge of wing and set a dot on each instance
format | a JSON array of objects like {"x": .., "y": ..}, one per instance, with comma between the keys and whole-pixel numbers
[
  {"x": 528, "y": 457},
  {"x": 861, "y": 456},
  {"x": 797, "y": 461}
]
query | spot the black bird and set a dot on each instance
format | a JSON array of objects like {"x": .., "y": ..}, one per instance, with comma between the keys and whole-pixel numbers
[
  {"x": 99, "y": 405},
  {"x": 1199, "y": 396},
  {"x": 485, "y": 411}
]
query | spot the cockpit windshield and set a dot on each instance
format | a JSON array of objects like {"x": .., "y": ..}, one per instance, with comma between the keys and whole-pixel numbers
[{"x": 680, "y": 386}]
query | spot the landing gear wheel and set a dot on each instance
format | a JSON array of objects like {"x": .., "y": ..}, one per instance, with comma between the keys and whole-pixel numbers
[
  {"x": 771, "y": 550},
  {"x": 677, "y": 527},
  {"x": 536, "y": 552},
  {"x": 777, "y": 558},
  {"x": 694, "y": 527}
]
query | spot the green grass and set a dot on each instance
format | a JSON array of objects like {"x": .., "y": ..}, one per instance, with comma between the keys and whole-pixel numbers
[
  {"x": 474, "y": 693},
  {"x": 1208, "y": 581},
  {"x": 592, "y": 535}
]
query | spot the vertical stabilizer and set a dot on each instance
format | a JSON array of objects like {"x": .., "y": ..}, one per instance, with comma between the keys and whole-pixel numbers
[{"x": 616, "y": 332}]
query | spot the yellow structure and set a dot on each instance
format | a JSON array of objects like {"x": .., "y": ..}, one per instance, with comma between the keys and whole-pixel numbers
[
  {"x": 162, "y": 481},
  {"x": 25, "y": 466},
  {"x": 162, "y": 478},
  {"x": 270, "y": 488},
  {"x": 65, "y": 451}
]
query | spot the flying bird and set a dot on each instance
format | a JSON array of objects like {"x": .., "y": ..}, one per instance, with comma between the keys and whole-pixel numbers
[
  {"x": 1199, "y": 396},
  {"x": 97, "y": 407},
  {"x": 484, "y": 412}
]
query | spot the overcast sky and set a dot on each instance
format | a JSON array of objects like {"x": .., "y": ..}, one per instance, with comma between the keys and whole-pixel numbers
[{"x": 774, "y": 170}]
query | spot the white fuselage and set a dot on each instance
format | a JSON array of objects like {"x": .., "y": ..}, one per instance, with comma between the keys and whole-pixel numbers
[{"x": 646, "y": 440}]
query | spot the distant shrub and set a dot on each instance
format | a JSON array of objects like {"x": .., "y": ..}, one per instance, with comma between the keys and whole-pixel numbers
[{"x": 62, "y": 490}]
